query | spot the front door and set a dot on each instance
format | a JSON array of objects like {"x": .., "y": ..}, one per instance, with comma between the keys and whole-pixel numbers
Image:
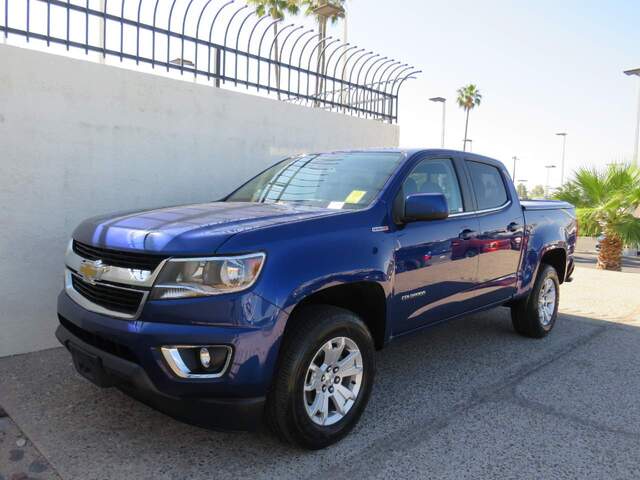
[{"x": 435, "y": 261}]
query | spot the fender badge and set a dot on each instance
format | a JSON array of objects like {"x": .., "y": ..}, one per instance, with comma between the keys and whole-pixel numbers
[{"x": 411, "y": 296}]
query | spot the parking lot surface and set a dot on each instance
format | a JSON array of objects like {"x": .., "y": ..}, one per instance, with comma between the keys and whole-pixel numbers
[{"x": 466, "y": 399}]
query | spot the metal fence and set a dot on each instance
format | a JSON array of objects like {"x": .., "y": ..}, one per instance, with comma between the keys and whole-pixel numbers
[{"x": 221, "y": 42}]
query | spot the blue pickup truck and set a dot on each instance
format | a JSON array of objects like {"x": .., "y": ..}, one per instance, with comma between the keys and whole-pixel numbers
[{"x": 267, "y": 306}]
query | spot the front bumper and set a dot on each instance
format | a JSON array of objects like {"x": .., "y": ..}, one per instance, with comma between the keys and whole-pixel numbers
[{"x": 127, "y": 355}]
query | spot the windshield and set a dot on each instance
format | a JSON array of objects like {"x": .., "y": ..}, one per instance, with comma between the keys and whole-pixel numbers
[{"x": 334, "y": 180}]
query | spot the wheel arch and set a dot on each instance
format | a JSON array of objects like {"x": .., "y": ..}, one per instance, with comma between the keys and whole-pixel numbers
[
  {"x": 555, "y": 257},
  {"x": 367, "y": 299}
]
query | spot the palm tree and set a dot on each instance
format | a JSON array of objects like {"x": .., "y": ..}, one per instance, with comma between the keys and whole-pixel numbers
[
  {"x": 605, "y": 203},
  {"x": 468, "y": 98},
  {"x": 276, "y": 9}
]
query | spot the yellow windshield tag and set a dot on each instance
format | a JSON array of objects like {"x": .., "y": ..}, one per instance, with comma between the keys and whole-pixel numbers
[{"x": 355, "y": 196}]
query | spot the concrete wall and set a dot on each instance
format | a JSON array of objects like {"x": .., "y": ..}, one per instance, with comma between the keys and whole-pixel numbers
[{"x": 79, "y": 139}]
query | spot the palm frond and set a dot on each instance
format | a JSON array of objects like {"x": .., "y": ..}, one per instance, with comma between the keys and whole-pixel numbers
[
  {"x": 627, "y": 227},
  {"x": 605, "y": 201},
  {"x": 468, "y": 97}
]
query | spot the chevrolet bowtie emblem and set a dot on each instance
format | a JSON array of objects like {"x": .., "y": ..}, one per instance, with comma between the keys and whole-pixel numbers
[{"x": 92, "y": 270}]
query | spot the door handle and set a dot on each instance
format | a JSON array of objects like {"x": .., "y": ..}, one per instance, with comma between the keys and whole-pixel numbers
[
  {"x": 513, "y": 227},
  {"x": 466, "y": 234}
]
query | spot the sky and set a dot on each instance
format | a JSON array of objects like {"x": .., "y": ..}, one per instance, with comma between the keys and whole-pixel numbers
[{"x": 542, "y": 67}]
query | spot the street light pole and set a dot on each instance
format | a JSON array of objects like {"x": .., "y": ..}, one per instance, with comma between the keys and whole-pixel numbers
[
  {"x": 513, "y": 176},
  {"x": 564, "y": 145},
  {"x": 548, "y": 167},
  {"x": 443, "y": 101},
  {"x": 636, "y": 72}
]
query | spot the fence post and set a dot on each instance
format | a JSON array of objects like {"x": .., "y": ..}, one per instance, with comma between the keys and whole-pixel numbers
[{"x": 217, "y": 76}]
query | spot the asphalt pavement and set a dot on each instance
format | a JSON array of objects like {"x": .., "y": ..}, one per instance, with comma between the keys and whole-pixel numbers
[{"x": 467, "y": 399}]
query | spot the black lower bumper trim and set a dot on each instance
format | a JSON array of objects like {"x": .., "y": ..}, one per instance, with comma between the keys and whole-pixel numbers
[{"x": 105, "y": 369}]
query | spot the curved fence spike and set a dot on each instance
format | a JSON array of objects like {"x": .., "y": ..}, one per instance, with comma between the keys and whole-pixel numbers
[
  {"x": 104, "y": 27},
  {"x": 324, "y": 40},
  {"x": 264, "y": 17},
  {"x": 393, "y": 115},
  {"x": 224, "y": 44},
  {"x": 169, "y": 36},
  {"x": 347, "y": 60},
  {"x": 184, "y": 22},
  {"x": 401, "y": 80},
  {"x": 275, "y": 22},
  {"x": 374, "y": 86},
  {"x": 284, "y": 42},
  {"x": 363, "y": 87},
  {"x": 334, "y": 52},
  {"x": 153, "y": 36},
  {"x": 366, "y": 88},
  {"x": 213, "y": 24},
  {"x": 195, "y": 63},
  {"x": 235, "y": 76},
  {"x": 383, "y": 83},
  {"x": 300, "y": 58},
  {"x": 397, "y": 75},
  {"x": 335, "y": 70},
  {"x": 137, "y": 31},
  {"x": 348, "y": 103},
  {"x": 293, "y": 47},
  {"x": 121, "y": 28},
  {"x": 273, "y": 42},
  {"x": 320, "y": 78}
]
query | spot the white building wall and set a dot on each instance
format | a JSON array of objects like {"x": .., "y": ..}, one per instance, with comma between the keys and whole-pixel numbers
[{"x": 79, "y": 139}]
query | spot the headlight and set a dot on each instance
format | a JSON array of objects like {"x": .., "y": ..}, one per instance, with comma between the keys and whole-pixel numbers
[{"x": 198, "y": 277}]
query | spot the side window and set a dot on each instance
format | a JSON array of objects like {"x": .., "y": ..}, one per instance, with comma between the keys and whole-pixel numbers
[
  {"x": 435, "y": 176},
  {"x": 488, "y": 185}
]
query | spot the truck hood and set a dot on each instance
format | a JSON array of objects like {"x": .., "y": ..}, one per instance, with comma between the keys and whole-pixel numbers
[{"x": 190, "y": 229}]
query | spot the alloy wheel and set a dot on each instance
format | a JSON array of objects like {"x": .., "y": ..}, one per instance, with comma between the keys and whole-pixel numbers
[
  {"x": 547, "y": 302},
  {"x": 333, "y": 381}
]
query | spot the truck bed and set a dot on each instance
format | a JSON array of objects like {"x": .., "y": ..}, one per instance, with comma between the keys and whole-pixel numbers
[{"x": 545, "y": 205}]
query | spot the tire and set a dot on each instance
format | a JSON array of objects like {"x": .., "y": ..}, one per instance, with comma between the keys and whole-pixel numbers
[
  {"x": 527, "y": 316},
  {"x": 297, "y": 385}
]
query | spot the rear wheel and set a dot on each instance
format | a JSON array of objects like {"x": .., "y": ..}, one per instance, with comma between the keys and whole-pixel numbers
[
  {"x": 536, "y": 314},
  {"x": 323, "y": 379}
]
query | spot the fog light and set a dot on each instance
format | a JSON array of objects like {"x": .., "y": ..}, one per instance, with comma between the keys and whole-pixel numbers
[
  {"x": 197, "y": 361},
  {"x": 205, "y": 357}
]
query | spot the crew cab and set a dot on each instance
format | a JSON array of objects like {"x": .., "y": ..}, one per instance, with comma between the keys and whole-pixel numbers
[{"x": 267, "y": 305}]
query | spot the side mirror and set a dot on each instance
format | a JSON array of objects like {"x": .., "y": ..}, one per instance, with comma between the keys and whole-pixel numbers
[{"x": 425, "y": 206}]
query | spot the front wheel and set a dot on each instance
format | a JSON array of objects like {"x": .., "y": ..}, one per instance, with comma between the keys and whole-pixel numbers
[
  {"x": 323, "y": 379},
  {"x": 536, "y": 314}
]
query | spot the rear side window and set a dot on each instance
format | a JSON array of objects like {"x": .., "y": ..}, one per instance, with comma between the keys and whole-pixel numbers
[
  {"x": 488, "y": 185},
  {"x": 435, "y": 176}
]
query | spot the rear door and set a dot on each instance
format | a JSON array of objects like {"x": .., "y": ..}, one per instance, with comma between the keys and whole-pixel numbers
[
  {"x": 435, "y": 261},
  {"x": 501, "y": 221}
]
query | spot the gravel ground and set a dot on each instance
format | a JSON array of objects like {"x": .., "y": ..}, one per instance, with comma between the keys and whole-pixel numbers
[{"x": 468, "y": 399}]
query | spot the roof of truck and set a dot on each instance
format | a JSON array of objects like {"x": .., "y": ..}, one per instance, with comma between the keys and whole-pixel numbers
[{"x": 409, "y": 152}]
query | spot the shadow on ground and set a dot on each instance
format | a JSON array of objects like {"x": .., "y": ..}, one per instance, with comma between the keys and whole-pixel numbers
[
  {"x": 589, "y": 260},
  {"x": 468, "y": 399}
]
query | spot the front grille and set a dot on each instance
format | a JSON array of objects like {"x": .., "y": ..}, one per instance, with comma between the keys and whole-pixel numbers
[
  {"x": 118, "y": 258},
  {"x": 111, "y": 298},
  {"x": 99, "y": 341}
]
